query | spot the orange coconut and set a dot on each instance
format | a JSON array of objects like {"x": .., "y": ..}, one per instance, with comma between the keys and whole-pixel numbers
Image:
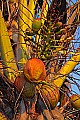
[
  {"x": 29, "y": 88},
  {"x": 75, "y": 101},
  {"x": 50, "y": 95},
  {"x": 34, "y": 70}
]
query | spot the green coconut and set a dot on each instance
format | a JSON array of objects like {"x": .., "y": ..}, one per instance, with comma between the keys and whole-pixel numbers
[{"x": 29, "y": 88}]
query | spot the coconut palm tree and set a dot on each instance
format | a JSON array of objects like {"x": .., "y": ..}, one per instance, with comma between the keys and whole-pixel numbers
[{"x": 40, "y": 55}]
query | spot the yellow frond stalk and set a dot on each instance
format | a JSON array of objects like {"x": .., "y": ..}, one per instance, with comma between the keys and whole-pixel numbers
[
  {"x": 66, "y": 69},
  {"x": 7, "y": 51},
  {"x": 26, "y": 15},
  {"x": 44, "y": 11}
]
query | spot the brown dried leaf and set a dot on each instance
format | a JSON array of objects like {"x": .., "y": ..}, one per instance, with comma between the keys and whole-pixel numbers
[
  {"x": 25, "y": 116},
  {"x": 53, "y": 114},
  {"x": 57, "y": 115},
  {"x": 47, "y": 114},
  {"x": 40, "y": 117}
]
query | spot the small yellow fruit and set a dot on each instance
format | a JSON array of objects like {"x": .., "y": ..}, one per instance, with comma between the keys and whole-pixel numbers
[
  {"x": 50, "y": 95},
  {"x": 75, "y": 101},
  {"x": 36, "y": 25},
  {"x": 29, "y": 88},
  {"x": 34, "y": 70}
]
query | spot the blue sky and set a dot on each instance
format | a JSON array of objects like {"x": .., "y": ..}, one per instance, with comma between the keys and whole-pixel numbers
[
  {"x": 77, "y": 39},
  {"x": 78, "y": 66}
]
